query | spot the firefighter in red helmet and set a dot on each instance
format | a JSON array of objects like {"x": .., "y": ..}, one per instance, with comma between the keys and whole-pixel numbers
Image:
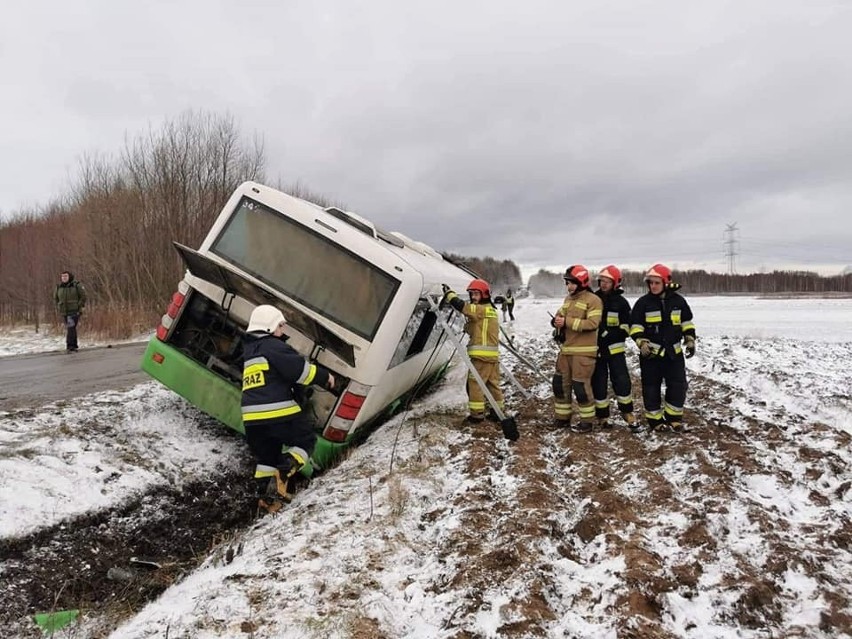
[
  {"x": 661, "y": 324},
  {"x": 576, "y": 323},
  {"x": 483, "y": 330},
  {"x": 612, "y": 362}
]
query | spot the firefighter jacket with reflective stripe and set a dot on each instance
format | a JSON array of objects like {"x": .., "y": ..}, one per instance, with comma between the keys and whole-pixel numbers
[
  {"x": 271, "y": 368},
  {"x": 582, "y": 312},
  {"x": 615, "y": 324},
  {"x": 664, "y": 320},
  {"x": 482, "y": 326}
]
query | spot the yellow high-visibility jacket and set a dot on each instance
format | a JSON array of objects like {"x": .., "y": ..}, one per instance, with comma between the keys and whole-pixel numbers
[{"x": 482, "y": 326}]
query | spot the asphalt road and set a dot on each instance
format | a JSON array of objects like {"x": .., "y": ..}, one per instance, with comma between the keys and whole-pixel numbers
[{"x": 30, "y": 381}]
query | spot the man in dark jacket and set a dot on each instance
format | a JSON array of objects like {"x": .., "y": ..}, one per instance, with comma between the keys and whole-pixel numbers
[
  {"x": 278, "y": 433},
  {"x": 70, "y": 299},
  {"x": 612, "y": 362},
  {"x": 660, "y": 320}
]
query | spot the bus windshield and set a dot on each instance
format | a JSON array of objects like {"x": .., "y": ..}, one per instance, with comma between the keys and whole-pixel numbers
[{"x": 307, "y": 267}]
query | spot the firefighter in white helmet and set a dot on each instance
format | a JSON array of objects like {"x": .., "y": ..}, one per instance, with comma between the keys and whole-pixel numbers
[
  {"x": 660, "y": 320},
  {"x": 278, "y": 433}
]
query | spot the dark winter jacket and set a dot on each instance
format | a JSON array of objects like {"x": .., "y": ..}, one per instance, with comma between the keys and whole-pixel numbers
[
  {"x": 70, "y": 297},
  {"x": 615, "y": 324},
  {"x": 272, "y": 373},
  {"x": 664, "y": 320}
]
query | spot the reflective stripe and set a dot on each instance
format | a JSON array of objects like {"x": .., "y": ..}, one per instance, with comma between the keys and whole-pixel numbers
[
  {"x": 261, "y": 471},
  {"x": 653, "y": 317},
  {"x": 688, "y": 326},
  {"x": 257, "y": 361},
  {"x": 586, "y": 411},
  {"x": 617, "y": 347},
  {"x": 579, "y": 350},
  {"x": 675, "y": 316},
  {"x": 627, "y": 399},
  {"x": 636, "y": 328},
  {"x": 581, "y": 305},
  {"x": 602, "y": 404},
  {"x": 562, "y": 410},
  {"x": 612, "y": 319},
  {"x": 657, "y": 414},
  {"x": 595, "y": 312},
  {"x": 675, "y": 411},
  {"x": 299, "y": 454},
  {"x": 269, "y": 411},
  {"x": 624, "y": 327},
  {"x": 476, "y": 407},
  {"x": 308, "y": 374},
  {"x": 484, "y": 352},
  {"x": 575, "y": 325}
]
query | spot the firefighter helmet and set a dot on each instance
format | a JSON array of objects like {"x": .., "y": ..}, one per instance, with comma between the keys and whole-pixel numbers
[
  {"x": 660, "y": 270},
  {"x": 612, "y": 272},
  {"x": 265, "y": 318},
  {"x": 578, "y": 274},
  {"x": 481, "y": 286}
]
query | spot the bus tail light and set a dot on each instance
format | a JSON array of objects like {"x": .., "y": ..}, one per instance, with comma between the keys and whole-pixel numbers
[
  {"x": 348, "y": 408},
  {"x": 175, "y": 304}
]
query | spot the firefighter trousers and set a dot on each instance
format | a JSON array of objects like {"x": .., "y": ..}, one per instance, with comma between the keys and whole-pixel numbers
[
  {"x": 489, "y": 371},
  {"x": 612, "y": 368},
  {"x": 576, "y": 372},
  {"x": 655, "y": 372}
]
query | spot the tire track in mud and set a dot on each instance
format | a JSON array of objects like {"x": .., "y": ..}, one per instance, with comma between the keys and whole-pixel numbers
[{"x": 84, "y": 563}]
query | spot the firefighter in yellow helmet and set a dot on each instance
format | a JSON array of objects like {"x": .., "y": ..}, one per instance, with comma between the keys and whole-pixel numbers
[
  {"x": 660, "y": 320},
  {"x": 483, "y": 329},
  {"x": 277, "y": 431},
  {"x": 576, "y": 323}
]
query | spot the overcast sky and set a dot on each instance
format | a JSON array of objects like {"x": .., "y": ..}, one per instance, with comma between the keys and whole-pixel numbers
[{"x": 548, "y": 133}]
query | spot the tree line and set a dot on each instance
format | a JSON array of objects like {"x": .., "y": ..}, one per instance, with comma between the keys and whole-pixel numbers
[{"x": 547, "y": 284}]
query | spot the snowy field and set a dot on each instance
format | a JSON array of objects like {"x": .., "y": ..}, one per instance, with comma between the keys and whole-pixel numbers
[{"x": 739, "y": 529}]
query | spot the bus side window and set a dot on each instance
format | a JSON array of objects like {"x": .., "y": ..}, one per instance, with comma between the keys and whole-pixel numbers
[{"x": 419, "y": 335}]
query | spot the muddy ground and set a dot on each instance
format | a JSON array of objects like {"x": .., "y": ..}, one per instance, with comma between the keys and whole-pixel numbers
[{"x": 87, "y": 563}]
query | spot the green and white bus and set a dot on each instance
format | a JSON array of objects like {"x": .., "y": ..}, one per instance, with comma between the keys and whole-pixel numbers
[{"x": 355, "y": 298}]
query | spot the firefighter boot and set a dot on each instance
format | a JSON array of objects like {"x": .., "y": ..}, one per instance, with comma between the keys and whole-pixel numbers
[
  {"x": 268, "y": 500},
  {"x": 582, "y": 427},
  {"x": 288, "y": 467},
  {"x": 604, "y": 423},
  {"x": 632, "y": 423},
  {"x": 677, "y": 427}
]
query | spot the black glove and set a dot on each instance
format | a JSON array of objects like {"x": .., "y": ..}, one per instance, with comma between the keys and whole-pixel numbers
[
  {"x": 689, "y": 346},
  {"x": 447, "y": 290}
]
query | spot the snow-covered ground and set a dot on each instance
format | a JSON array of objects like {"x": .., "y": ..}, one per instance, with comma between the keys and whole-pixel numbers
[
  {"x": 20, "y": 340},
  {"x": 614, "y": 534}
]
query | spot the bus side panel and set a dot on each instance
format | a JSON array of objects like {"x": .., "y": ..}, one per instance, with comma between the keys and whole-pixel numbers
[
  {"x": 202, "y": 388},
  {"x": 216, "y": 397}
]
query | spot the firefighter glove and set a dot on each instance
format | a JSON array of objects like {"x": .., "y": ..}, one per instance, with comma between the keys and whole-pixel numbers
[
  {"x": 446, "y": 290},
  {"x": 689, "y": 346},
  {"x": 644, "y": 347}
]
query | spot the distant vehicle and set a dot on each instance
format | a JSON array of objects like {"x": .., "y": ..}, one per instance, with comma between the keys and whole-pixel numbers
[{"x": 355, "y": 299}]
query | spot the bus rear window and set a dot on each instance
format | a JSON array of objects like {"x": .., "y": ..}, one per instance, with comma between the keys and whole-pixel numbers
[{"x": 306, "y": 267}]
